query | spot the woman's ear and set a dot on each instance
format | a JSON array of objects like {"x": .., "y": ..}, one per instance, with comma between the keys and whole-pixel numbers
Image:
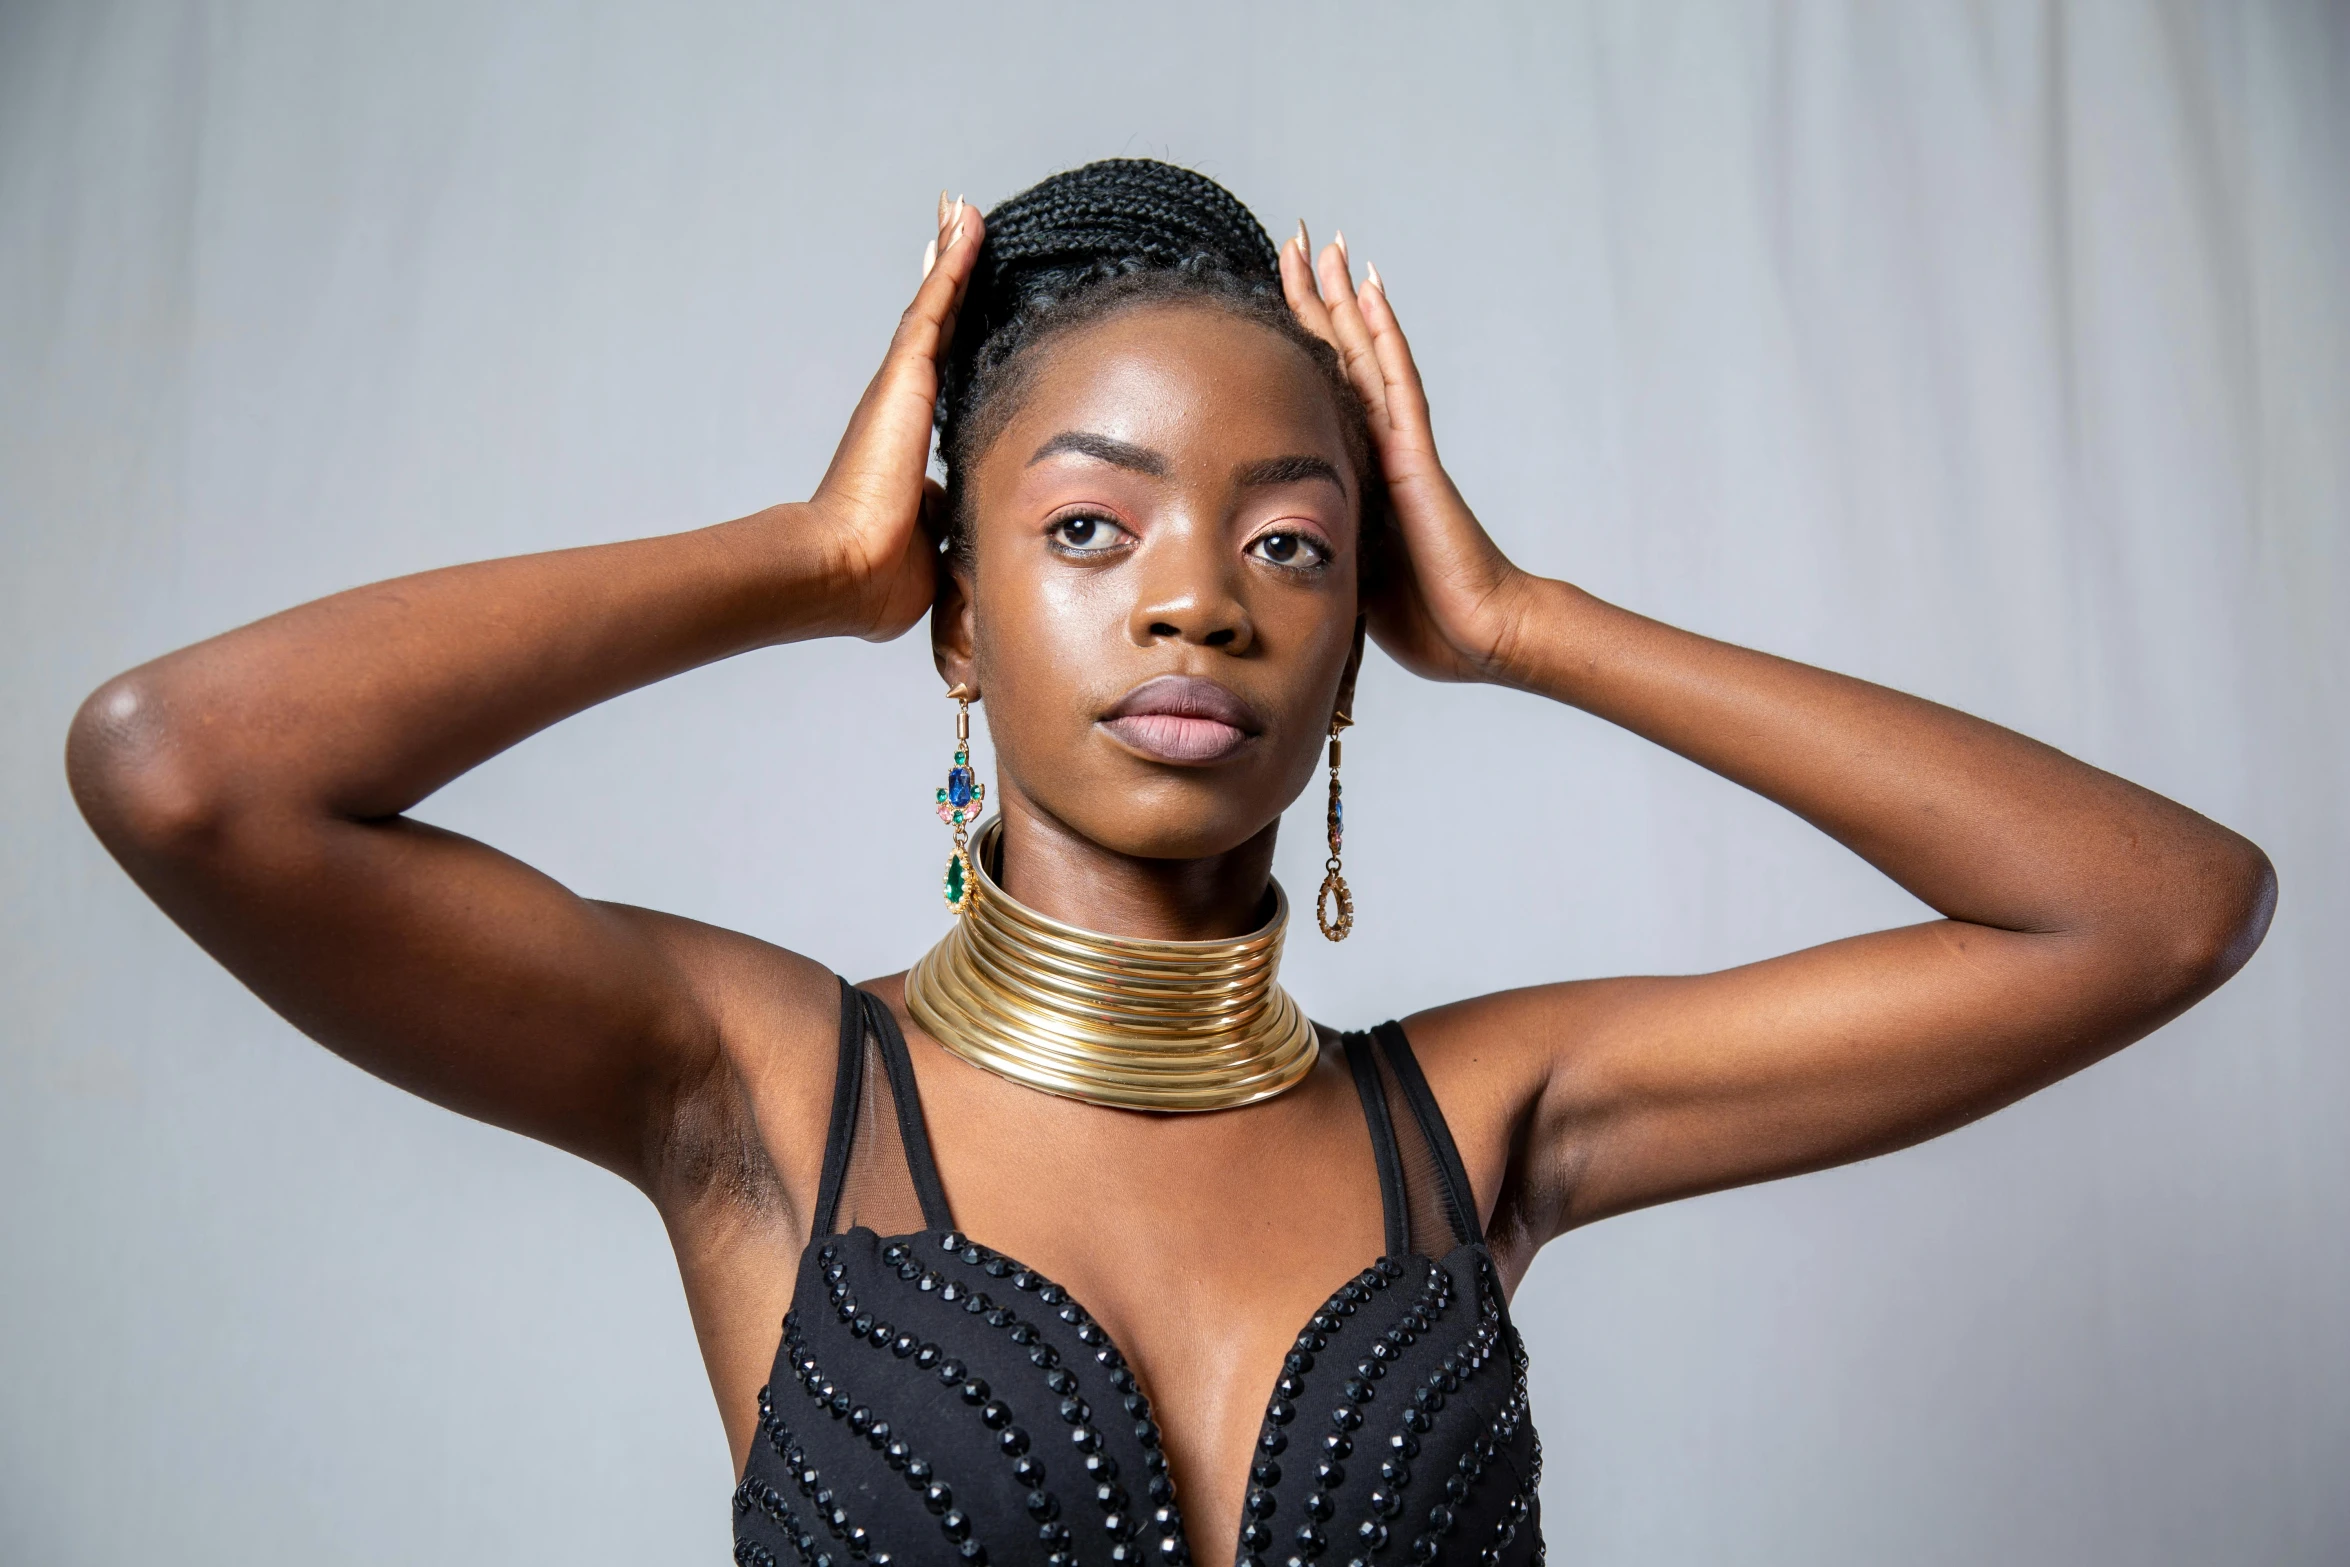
[
  {"x": 1354, "y": 667},
  {"x": 952, "y": 643}
]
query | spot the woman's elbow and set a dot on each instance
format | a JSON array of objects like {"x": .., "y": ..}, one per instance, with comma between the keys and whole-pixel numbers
[
  {"x": 137, "y": 773},
  {"x": 2221, "y": 905}
]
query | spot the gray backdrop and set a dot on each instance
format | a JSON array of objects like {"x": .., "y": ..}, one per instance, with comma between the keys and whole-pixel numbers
[{"x": 1997, "y": 352}]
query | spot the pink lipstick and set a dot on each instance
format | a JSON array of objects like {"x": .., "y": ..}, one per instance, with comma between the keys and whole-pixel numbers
[{"x": 1183, "y": 719}]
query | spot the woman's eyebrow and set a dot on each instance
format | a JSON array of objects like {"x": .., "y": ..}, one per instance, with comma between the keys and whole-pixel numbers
[
  {"x": 1286, "y": 470},
  {"x": 1103, "y": 448}
]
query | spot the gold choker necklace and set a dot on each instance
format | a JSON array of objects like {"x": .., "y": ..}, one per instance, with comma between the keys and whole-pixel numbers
[{"x": 1111, "y": 1020}]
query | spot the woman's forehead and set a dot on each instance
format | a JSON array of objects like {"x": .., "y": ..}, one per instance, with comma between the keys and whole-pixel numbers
[{"x": 1192, "y": 383}]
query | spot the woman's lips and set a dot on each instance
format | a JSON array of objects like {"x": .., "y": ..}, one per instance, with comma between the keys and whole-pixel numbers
[
  {"x": 1176, "y": 737},
  {"x": 1183, "y": 718}
]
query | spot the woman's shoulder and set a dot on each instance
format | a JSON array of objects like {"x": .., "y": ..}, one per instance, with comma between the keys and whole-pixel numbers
[{"x": 1490, "y": 1063}]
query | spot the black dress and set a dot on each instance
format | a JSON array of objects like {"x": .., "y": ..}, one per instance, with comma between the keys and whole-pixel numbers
[{"x": 936, "y": 1402}]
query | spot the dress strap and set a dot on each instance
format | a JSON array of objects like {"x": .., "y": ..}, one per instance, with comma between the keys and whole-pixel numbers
[
  {"x": 1393, "y": 1202},
  {"x": 865, "y": 1180},
  {"x": 912, "y": 1129},
  {"x": 848, "y": 1081},
  {"x": 1451, "y": 1180}
]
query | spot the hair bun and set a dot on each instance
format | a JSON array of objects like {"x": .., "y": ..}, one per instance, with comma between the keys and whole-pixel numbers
[{"x": 1121, "y": 211}]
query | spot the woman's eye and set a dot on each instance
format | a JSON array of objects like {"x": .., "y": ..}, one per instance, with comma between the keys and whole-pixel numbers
[
  {"x": 1086, "y": 535},
  {"x": 1283, "y": 548}
]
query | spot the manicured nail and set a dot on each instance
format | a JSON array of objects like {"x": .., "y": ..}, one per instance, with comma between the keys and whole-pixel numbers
[
  {"x": 929, "y": 257},
  {"x": 942, "y": 207},
  {"x": 956, "y": 218},
  {"x": 1339, "y": 235},
  {"x": 1372, "y": 268},
  {"x": 955, "y": 235},
  {"x": 1305, "y": 246}
]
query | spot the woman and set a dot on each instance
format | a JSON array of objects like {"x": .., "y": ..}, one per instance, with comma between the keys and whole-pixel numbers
[{"x": 1186, "y": 472}]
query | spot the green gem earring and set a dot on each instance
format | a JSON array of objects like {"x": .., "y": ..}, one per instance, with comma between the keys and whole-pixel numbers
[{"x": 959, "y": 803}]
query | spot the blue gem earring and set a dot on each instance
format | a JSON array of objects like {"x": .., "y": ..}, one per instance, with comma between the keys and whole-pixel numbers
[{"x": 959, "y": 803}]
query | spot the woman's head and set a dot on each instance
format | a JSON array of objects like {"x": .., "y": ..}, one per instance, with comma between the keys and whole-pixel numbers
[{"x": 1159, "y": 483}]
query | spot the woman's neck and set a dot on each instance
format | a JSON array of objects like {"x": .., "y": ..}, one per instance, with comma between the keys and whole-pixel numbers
[{"x": 1060, "y": 873}]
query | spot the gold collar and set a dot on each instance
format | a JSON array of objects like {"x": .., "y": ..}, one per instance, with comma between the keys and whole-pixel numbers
[{"x": 1111, "y": 1020}]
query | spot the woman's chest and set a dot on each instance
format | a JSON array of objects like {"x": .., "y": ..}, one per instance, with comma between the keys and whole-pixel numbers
[
  {"x": 937, "y": 1399},
  {"x": 1193, "y": 1250},
  {"x": 1197, "y": 1306}
]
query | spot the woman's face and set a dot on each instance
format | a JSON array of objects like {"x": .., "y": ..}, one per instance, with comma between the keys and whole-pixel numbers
[{"x": 1161, "y": 606}]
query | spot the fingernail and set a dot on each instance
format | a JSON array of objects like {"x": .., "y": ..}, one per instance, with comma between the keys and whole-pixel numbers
[
  {"x": 942, "y": 207},
  {"x": 1372, "y": 268},
  {"x": 957, "y": 218},
  {"x": 955, "y": 235},
  {"x": 929, "y": 257},
  {"x": 1340, "y": 236},
  {"x": 1305, "y": 246}
]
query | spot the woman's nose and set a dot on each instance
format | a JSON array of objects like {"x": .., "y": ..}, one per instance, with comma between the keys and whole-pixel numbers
[{"x": 1189, "y": 593}]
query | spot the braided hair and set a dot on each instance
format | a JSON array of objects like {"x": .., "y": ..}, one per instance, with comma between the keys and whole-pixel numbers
[{"x": 1082, "y": 245}]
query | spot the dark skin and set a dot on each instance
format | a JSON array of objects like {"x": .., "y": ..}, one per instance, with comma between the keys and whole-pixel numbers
[{"x": 1172, "y": 497}]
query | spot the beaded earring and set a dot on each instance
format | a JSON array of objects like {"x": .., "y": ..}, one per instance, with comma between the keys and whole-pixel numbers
[
  {"x": 959, "y": 803},
  {"x": 1334, "y": 894}
]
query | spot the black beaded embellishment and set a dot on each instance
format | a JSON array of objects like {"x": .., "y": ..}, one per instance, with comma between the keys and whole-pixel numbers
[
  {"x": 1394, "y": 1434},
  {"x": 829, "y": 1511},
  {"x": 1259, "y": 1530},
  {"x": 1122, "y": 1525},
  {"x": 1445, "y": 1505},
  {"x": 1396, "y": 1431}
]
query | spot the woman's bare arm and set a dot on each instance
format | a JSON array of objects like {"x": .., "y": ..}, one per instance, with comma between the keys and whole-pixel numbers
[
  {"x": 254, "y": 784},
  {"x": 2080, "y": 911}
]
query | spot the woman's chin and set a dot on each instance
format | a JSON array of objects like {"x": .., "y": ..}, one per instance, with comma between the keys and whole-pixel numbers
[{"x": 1176, "y": 816}]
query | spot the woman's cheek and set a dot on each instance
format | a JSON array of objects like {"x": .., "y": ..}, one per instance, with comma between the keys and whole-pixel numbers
[{"x": 1042, "y": 660}]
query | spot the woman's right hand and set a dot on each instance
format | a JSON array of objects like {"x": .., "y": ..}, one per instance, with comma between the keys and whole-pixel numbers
[
  {"x": 257, "y": 785},
  {"x": 882, "y": 513}
]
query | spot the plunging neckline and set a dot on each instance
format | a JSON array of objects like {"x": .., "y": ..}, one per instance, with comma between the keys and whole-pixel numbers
[
  {"x": 936, "y": 1300},
  {"x": 1390, "y": 1268}
]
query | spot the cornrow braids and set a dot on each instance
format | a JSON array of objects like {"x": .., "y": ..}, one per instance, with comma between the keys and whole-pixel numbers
[{"x": 1082, "y": 245}]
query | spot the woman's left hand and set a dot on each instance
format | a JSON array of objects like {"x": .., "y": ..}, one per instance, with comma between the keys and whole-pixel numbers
[
  {"x": 2078, "y": 911},
  {"x": 1448, "y": 603}
]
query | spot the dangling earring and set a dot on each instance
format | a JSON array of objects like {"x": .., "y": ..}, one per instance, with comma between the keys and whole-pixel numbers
[
  {"x": 1334, "y": 894},
  {"x": 959, "y": 803}
]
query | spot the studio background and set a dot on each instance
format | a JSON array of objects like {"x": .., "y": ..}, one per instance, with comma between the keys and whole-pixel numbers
[{"x": 1997, "y": 352}]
